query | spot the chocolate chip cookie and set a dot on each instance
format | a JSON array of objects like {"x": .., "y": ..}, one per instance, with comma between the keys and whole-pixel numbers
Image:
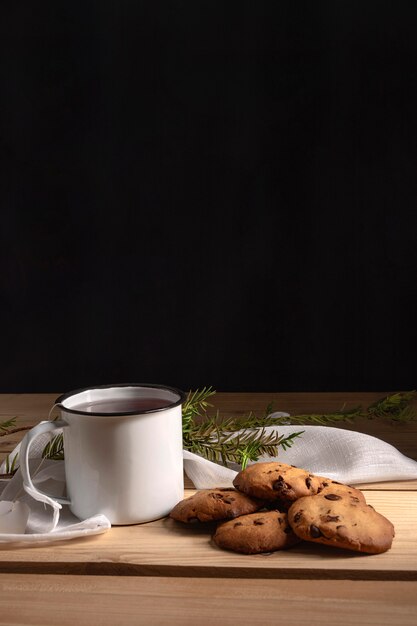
[
  {"x": 208, "y": 505},
  {"x": 277, "y": 481},
  {"x": 341, "y": 520},
  {"x": 265, "y": 531},
  {"x": 331, "y": 486}
]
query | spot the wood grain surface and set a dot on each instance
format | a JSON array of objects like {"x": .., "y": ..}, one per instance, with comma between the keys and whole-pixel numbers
[{"x": 47, "y": 600}]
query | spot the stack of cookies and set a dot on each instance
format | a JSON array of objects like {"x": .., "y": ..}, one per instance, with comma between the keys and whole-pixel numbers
[{"x": 274, "y": 506}]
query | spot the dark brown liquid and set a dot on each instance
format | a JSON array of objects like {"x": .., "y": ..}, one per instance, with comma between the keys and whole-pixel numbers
[{"x": 122, "y": 405}]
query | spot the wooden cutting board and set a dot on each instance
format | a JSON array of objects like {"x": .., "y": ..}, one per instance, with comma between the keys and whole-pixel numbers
[{"x": 169, "y": 548}]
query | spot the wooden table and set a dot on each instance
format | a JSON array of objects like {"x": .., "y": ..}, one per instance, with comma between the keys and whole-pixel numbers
[{"x": 164, "y": 572}]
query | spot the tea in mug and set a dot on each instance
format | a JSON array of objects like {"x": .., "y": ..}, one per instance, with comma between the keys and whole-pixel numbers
[{"x": 122, "y": 405}]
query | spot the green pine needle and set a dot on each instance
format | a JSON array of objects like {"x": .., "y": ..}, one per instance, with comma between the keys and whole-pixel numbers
[
  {"x": 11, "y": 464},
  {"x": 231, "y": 440},
  {"x": 6, "y": 425},
  {"x": 195, "y": 405},
  {"x": 395, "y": 407},
  {"x": 54, "y": 449}
]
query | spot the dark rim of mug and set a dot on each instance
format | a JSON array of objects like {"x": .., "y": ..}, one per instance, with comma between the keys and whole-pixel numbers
[{"x": 181, "y": 397}]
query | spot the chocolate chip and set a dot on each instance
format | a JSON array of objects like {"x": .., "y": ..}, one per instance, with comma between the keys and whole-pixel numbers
[
  {"x": 228, "y": 501},
  {"x": 308, "y": 482},
  {"x": 237, "y": 524},
  {"x": 297, "y": 516},
  {"x": 258, "y": 522},
  {"x": 280, "y": 484},
  {"x": 315, "y": 532},
  {"x": 332, "y": 496},
  {"x": 331, "y": 518}
]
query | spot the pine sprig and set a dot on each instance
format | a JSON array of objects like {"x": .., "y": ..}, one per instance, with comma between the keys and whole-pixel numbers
[
  {"x": 194, "y": 406},
  {"x": 10, "y": 466},
  {"x": 7, "y": 425},
  {"x": 54, "y": 449},
  {"x": 231, "y": 440},
  {"x": 222, "y": 447},
  {"x": 394, "y": 407}
]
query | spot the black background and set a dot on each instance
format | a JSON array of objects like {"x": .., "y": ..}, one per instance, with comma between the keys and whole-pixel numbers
[{"x": 208, "y": 193}]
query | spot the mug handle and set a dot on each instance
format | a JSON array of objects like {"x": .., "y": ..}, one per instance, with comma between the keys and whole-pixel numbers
[{"x": 28, "y": 485}]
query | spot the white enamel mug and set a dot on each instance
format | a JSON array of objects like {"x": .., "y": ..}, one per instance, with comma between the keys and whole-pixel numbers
[{"x": 123, "y": 451}]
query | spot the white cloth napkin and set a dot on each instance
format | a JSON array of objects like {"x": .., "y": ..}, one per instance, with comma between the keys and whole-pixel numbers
[
  {"x": 45, "y": 523},
  {"x": 343, "y": 455}
]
